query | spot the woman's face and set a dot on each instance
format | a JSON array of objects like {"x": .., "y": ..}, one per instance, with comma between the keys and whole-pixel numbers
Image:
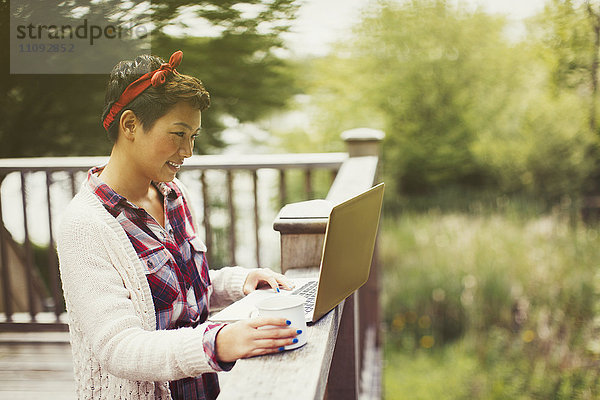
[{"x": 160, "y": 151}]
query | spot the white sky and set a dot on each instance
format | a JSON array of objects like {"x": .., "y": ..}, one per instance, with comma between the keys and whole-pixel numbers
[{"x": 321, "y": 22}]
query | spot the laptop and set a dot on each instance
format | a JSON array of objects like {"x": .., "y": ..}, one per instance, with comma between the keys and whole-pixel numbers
[{"x": 345, "y": 263}]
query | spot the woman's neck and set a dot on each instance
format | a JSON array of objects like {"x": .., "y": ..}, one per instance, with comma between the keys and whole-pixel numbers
[{"x": 125, "y": 180}]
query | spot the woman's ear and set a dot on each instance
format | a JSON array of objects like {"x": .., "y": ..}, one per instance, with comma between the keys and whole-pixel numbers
[{"x": 128, "y": 124}]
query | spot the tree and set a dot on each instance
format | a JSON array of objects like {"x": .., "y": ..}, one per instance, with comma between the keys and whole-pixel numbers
[
  {"x": 595, "y": 62},
  {"x": 568, "y": 33},
  {"x": 429, "y": 69},
  {"x": 241, "y": 67},
  {"x": 462, "y": 105},
  {"x": 569, "y": 36},
  {"x": 42, "y": 115}
]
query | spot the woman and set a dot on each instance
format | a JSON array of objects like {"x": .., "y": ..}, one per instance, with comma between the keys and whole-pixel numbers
[{"x": 135, "y": 277}]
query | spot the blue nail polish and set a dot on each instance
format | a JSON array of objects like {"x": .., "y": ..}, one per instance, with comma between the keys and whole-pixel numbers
[
  {"x": 281, "y": 348},
  {"x": 295, "y": 340},
  {"x": 278, "y": 290},
  {"x": 288, "y": 322},
  {"x": 299, "y": 331}
]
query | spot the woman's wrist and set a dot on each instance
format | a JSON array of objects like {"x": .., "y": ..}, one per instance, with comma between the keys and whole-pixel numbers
[{"x": 210, "y": 343}]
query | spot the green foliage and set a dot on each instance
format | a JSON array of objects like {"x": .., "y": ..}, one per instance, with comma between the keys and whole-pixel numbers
[
  {"x": 437, "y": 65},
  {"x": 42, "y": 115},
  {"x": 423, "y": 375},
  {"x": 567, "y": 38},
  {"x": 502, "y": 304},
  {"x": 565, "y": 33},
  {"x": 461, "y": 104},
  {"x": 338, "y": 99},
  {"x": 548, "y": 155},
  {"x": 245, "y": 78}
]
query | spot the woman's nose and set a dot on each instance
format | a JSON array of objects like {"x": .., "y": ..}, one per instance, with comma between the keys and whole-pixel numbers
[{"x": 186, "y": 150}]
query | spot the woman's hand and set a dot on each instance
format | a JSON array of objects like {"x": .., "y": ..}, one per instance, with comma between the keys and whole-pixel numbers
[
  {"x": 244, "y": 339},
  {"x": 264, "y": 276}
]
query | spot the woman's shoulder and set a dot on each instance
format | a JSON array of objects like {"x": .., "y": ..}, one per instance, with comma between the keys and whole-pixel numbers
[
  {"x": 82, "y": 204},
  {"x": 84, "y": 209},
  {"x": 84, "y": 222}
]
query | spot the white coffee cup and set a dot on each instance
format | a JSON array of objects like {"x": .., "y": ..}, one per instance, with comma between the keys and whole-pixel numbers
[{"x": 290, "y": 307}]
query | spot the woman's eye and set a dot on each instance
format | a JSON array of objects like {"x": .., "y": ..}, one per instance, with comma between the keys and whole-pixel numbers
[{"x": 180, "y": 134}]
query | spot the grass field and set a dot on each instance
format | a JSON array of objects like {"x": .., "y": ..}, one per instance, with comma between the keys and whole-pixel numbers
[{"x": 491, "y": 305}]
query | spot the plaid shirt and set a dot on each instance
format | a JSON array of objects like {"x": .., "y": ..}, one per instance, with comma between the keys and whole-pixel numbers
[{"x": 177, "y": 272}]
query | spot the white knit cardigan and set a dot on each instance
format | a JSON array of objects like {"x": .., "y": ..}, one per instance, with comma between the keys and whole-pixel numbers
[{"x": 117, "y": 351}]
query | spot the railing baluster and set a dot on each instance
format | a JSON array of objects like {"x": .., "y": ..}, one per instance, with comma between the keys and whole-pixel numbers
[
  {"x": 308, "y": 183},
  {"x": 52, "y": 262},
  {"x": 256, "y": 216},
  {"x": 282, "y": 189},
  {"x": 72, "y": 180},
  {"x": 232, "y": 239},
  {"x": 28, "y": 258},
  {"x": 6, "y": 288},
  {"x": 206, "y": 216}
]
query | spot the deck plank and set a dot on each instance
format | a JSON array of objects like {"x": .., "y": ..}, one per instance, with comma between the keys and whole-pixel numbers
[{"x": 39, "y": 367}]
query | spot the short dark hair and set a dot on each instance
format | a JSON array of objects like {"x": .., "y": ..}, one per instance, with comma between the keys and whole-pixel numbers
[{"x": 155, "y": 101}]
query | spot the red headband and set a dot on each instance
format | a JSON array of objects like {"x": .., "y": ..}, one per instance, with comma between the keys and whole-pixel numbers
[{"x": 154, "y": 78}]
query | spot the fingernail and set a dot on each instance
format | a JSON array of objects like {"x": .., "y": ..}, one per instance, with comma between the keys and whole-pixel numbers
[
  {"x": 288, "y": 322},
  {"x": 281, "y": 348},
  {"x": 295, "y": 340},
  {"x": 299, "y": 331},
  {"x": 278, "y": 290}
]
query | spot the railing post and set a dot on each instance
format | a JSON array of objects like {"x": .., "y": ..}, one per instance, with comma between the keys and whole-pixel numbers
[
  {"x": 363, "y": 142},
  {"x": 282, "y": 188},
  {"x": 232, "y": 221},
  {"x": 344, "y": 374},
  {"x": 53, "y": 272},
  {"x": 302, "y": 231},
  {"x": 73, "y": 184},
  {"x": 256, "y": 216},
  {"x": 28, "y": 256},
  {"x": 308, "y": 183},
  {"x": 206, "y": 216},
  {"x": 6, "y": 285}
]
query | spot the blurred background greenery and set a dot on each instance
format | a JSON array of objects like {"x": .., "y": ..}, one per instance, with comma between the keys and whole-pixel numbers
[{"x": 490, "y": 239}]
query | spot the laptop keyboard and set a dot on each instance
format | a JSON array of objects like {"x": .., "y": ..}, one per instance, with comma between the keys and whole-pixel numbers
[{"x": 309, "y": 291}]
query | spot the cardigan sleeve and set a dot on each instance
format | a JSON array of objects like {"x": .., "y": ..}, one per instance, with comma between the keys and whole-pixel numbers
[
  {"x": 106, "y": 308},
  {"x": 227, "y": 284}
]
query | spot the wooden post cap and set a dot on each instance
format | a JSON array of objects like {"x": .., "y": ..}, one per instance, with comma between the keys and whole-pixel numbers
[
  {"x": 304, "y": 217},
  {"x": 363, "y": 141},
  {"x": 363, "y": 134}
]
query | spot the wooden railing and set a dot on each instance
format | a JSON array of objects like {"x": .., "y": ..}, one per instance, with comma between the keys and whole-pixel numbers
[
  {"x": 29, "y": 302},
  {"x": 342, "y": 359}
]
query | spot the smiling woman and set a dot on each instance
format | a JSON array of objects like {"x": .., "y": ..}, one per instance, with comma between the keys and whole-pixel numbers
[
  {"x": 154, "y": 151},
  {"x": 134, "y": 270}
]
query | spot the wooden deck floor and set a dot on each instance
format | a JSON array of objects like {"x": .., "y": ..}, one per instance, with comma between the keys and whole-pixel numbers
[{"x": 36, "y": 366}]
